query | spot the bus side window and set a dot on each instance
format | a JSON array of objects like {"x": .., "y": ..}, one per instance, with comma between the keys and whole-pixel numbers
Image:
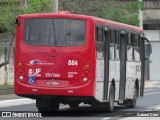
[
  {"x": 112, "y": 44},
  {"x": 130, "y": 47},
  {"x": 99, "y": 43},
  {"x": 117, "y": 46},
  {"x": 137, "y": 49}
]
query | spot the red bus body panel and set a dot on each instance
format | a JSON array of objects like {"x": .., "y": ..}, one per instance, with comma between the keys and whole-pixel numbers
[
  {"x": 52, "y": 64},
  {"x": 54, "y": 60}
]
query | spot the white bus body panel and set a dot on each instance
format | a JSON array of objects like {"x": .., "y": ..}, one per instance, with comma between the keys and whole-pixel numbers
[{"x": 99, "y": 80}]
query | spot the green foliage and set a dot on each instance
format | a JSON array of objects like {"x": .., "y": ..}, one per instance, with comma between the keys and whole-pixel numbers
[
  {"x": 37, "y": 6},
  {"x": 127, "y": 13},
  {"x": 8, "y": 16},
  {"x": 12, "y": 9},
  {"x": 116, "y": 10}
]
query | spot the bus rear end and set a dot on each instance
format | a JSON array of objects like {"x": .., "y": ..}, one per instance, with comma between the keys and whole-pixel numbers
[{"x": 54, "y": 60}]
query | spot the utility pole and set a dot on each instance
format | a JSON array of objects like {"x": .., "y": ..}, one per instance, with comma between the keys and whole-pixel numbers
[
  {"x": 26, "y": 4},
  {"x": 54, "y": 6},
  {"x": 140, "y": 16}
]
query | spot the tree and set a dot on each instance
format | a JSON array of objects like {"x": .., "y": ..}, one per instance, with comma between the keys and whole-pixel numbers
[
  {"x": 125, "y": 11},
  {"x": 38, "y": 6},
  {"x": 7, "y": 25},
  {"x": 9, "y": 11}
]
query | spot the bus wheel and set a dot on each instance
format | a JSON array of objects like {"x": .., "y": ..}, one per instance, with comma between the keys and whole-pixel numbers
[
  {"x": 110, "y": 104},
  {"x": 46, "y": 110},
  {"x": 131, "y": 103},
  {"x": 46, "y": 105}
]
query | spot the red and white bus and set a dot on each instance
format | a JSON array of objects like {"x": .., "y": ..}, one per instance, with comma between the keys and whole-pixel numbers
[{"x": 69, "y": 58}]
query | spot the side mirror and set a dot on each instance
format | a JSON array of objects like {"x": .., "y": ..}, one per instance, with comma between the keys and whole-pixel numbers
[
  {"x": 149, "y": 49},
  {"x": 17, "y": 21}
]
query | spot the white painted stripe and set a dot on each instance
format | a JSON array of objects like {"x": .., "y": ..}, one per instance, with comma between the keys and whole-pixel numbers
[
  {"x": 152, "y": 93},
  {"x": 147, "y": 110},
  {"x": 105, "y": 118},
  {"x": 158, "y": 108},
  {"x": 148, "y": 86},
  {"x": 64, "y": 107},
  {"x": 148, "y": 89},
  {"x": 16, "y": 102}
]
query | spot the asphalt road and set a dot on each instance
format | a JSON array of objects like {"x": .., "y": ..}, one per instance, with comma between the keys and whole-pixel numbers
[{"x": 146, "y": 105}]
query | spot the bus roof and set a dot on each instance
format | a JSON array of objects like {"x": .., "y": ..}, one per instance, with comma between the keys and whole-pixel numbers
[
  {"x": 118, "y": 25},
  {"x": 66, "y": 14}
]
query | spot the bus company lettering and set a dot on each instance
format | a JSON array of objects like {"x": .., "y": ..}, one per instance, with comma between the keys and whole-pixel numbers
[
  {"x": 53, "y": 75},
  {"x": 34, "y": 72},
  {"x": 39, "y": 62}
]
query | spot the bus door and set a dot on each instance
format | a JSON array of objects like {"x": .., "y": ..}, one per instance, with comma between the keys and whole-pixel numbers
[
  {"x": 106, "y": 61},
  {"x": 123, "y": 54},
  {"x": 102, "y": 62},
  {"x": 142, "y": 67}
]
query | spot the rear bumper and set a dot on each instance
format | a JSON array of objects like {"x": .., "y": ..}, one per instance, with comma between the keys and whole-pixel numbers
[{"x": 27, "y": 90}]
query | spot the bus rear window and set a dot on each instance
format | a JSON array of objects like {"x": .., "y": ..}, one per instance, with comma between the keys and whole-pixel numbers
[{"x": 54, "y": 32}]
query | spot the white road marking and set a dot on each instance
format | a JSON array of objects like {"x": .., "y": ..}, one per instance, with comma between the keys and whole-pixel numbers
[
  {"x": 15, "y": 102},
  {"x": 147, "y": 110},
  {"x": 105, "y": 118},
  {"x": 158, "y": 108},
  {"x": 148, "y": 90},
  {"x": 148, "y": 86},
  {"x": 152, "y": 93}
]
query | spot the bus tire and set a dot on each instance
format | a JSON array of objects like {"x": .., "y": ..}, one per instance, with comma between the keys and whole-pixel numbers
[
  {"x": 45, "y": 105},
  {"x": 131, "y": 103},
  {"x": 110, "y": 103}
]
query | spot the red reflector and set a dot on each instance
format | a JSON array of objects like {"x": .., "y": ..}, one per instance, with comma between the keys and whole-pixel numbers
[
  {"x": 20, "y": 71},
  {"x": 86, "y": 73},
  {"x": 87, "y": 67}
]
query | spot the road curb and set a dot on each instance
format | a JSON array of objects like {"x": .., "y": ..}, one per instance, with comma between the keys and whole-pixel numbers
[{"x": 15, "y": 102}]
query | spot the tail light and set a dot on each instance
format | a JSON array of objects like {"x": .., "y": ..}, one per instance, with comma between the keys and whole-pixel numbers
[
  {"x": 87, "y": 66},
  {"x": 86, "y": 73},
  {"x": 19, "y": 64},
  {"x": 20, "y": 71}
]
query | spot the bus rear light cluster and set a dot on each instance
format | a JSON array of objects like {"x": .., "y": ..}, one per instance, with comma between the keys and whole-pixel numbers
[
  {"x": 86, "y": 73},
  {"x": 20, "y": 71}
]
